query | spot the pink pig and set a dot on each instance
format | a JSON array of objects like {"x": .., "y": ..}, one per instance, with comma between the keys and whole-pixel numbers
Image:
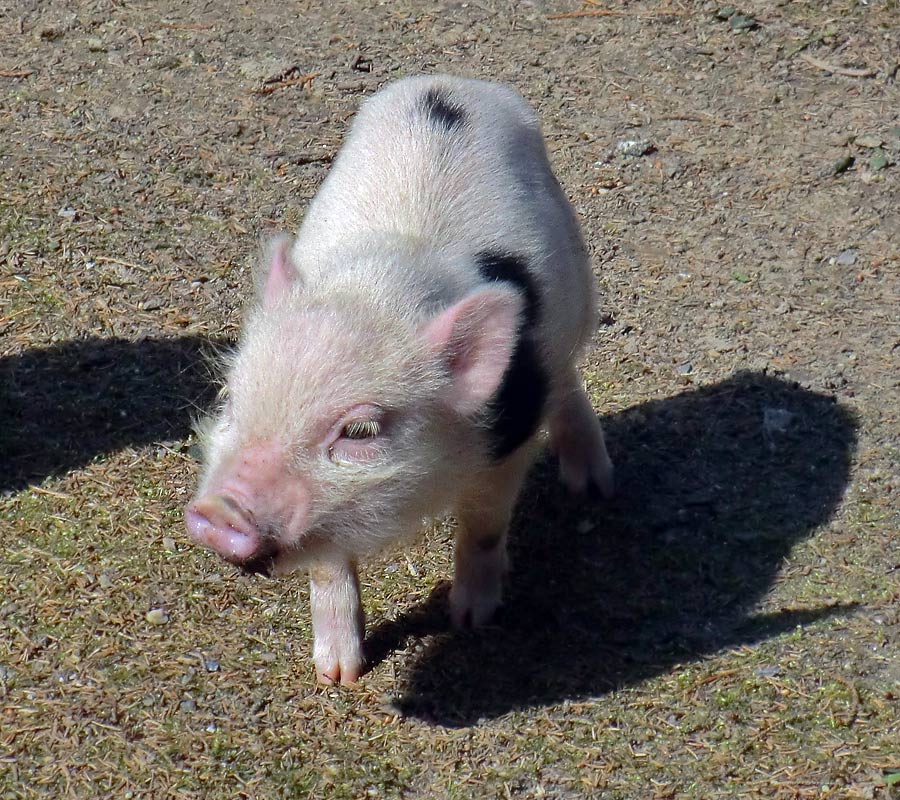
[{"x": 402, "y": 358}]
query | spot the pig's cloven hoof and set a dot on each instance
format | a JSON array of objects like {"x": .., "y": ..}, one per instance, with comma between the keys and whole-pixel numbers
[
  {"x": 473, "y": 607},
  {"x": 345, "y": 675},
  {"x": 587, "y": 471},
  {"x": 338, "y": 662}
]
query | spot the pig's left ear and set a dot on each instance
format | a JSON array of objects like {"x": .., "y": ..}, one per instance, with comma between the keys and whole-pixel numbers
[
  {"x": 278, "y": 273},
  {"x": 475, "y": 339}
]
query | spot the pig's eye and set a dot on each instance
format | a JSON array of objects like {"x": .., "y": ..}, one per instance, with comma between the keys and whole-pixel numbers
[
  {"x": 358, "y": 438},
  {"x": 361, "y": 429}
]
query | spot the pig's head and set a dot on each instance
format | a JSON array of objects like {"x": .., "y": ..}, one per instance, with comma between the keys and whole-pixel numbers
[{"x": 349, "y": 416}]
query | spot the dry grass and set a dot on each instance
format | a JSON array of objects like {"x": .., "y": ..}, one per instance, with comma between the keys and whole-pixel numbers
[{"x": 727, "y": 627}]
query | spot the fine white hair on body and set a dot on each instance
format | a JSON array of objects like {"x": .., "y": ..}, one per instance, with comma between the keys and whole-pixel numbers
[
  {"x": 402, "y": 356},
  {"x": 447, "y": 191}
]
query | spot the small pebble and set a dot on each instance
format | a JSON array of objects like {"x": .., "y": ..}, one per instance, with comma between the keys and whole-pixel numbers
[
  {"x": 157, "y": 616},
  {"x": 268, "y": 658},
  {"x": 846, "y": 258},
  {"x": 210, "y": 665},
  {"x": 842, "y": 164},
  {"x": 105, "y": 581},
  {"x": 869, "y": 141},
  {"x": 169, "y": 545},
  {"x": 879, "y": 160},
  {"x": 742, "y": 22},
  {"x": 635, "y": 147},
  {"x": 188, "y": 706}
]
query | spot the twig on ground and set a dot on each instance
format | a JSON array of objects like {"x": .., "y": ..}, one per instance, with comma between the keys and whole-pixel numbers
[
  {"x": 271, "y": 87},
  {"x": 15, "y": 73},
  {"x": 850, "y": 72}
]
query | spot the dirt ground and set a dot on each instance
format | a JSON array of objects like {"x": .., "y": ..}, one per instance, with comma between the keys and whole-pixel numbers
[{"x": 728, "y": 626}]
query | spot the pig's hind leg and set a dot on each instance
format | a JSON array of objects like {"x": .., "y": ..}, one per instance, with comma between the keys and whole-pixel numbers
[
  {"x": 577, "y": 439},
  {"x": 484, "y": 513},
  {"x": 338, "y": 621}
]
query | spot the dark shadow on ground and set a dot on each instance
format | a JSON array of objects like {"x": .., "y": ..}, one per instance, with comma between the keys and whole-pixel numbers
[
  {"x": 715, "y": 485},
  {"x": 62, "y": 406}
]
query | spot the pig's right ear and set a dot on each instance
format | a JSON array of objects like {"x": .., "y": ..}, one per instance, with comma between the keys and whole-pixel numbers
[
  {"x": 475, "y": 339},
  {"x": 278, "y": 273}
]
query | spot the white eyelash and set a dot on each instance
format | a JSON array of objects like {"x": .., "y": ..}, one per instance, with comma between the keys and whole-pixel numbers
[{"x": 361, "y": 429}]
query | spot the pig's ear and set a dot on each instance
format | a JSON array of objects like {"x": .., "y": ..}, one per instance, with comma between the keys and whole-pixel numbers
[
  {"x": 475, "y": 339},
  {"x": 278, "y": 273}
]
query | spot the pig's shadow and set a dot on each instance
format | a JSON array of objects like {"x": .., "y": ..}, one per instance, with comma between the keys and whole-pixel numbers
[
  {"x": 714, "y": 487},
  {"x": 64, "y": 405}
]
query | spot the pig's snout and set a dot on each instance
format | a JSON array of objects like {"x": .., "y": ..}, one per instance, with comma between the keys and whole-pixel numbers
[{"x": 217, "y": 521}]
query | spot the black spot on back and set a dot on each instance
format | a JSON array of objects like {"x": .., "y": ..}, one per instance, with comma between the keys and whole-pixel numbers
[
  {"x": 497, "y": 266},
  {"x": 442, "y": 110},
  {"x": 516, "y": 409}
]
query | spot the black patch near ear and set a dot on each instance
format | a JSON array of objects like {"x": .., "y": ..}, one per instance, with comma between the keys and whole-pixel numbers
[
  {"x": 515, "y": 411},
  {"x": 442, "y": 110}
]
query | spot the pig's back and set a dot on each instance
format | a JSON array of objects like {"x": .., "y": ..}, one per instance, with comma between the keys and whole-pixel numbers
[{"x": 459, "y": 168}]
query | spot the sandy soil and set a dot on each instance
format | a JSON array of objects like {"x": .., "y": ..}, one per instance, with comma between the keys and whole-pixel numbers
[{"x": 727, "y": 627}]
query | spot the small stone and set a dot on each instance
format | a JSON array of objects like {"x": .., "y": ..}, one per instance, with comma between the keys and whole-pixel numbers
[
  {"x": 168, "y": 62},
  {"x": 210, "y": 665},
  {"x": 726, "y": 13},
  {"x": 157, "y": 616},
  {"x": 842, "y": 164},
  {"x": 685, "y": 369},
  {"x": 742, "y": 22},
  {"x": 635, "y": 147},
  {"x": 212, "y": 727},
  {"x": 188, "y": 706},
  {"x": 879, "y": 160},
  {"x": 268, "y": 658},
  {"x": 96, "y": 45},
  {"x": 846, "y": 258},
  {"x": 769, "y": 672},
  {"x": 67, "y": 211},
  {"x": 104, "y": 581},
  {"x": 869, "y": 141},
  {"x": 169, "y": 545}
]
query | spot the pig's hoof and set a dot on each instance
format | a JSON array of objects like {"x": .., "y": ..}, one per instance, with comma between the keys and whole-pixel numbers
[
  {"x": 339, "y": 662},
  {"x": 471, "y": 608},
  {"x": 587, "y": 471},
  {"x": 345, "y": 674}
]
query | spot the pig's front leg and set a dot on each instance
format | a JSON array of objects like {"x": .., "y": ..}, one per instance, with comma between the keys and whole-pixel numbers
[
  {"x": 577, "y": 438},
  {"x": 338, "y": 621},
  {"x": 484, "y": 513}
]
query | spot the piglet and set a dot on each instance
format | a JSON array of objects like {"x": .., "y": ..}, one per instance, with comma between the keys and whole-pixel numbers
[{"x": 403, "y": 356}]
